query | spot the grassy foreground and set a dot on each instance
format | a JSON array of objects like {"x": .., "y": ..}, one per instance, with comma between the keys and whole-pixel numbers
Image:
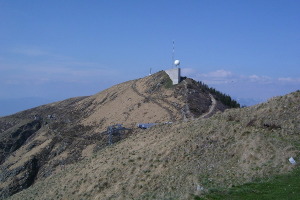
[{"x": 279, "y": 187}]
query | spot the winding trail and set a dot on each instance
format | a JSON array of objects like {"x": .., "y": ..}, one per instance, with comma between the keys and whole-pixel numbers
[
  {"x": 185, "y": 111},
  {"x": 211, "y": 107},
  {"x": 153, "y": 100}
]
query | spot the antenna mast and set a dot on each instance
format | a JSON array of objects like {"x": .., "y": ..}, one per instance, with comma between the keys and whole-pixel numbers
[{"x": 173, "y": 53}]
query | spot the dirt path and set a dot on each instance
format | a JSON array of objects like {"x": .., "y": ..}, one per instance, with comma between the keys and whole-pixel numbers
[
  {"x": 153, "y": 100},
  {"x": 211, "y": 107}
]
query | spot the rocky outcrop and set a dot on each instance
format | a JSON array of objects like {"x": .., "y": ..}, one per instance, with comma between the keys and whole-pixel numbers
[
  {"x": 22, "y": 177},
  {"x": 17, "y": 138}
]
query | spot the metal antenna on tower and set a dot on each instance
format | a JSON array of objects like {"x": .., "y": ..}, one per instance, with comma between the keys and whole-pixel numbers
[
  {"x": 174, "y": 62},
  {"x": 173, "y": 53}
]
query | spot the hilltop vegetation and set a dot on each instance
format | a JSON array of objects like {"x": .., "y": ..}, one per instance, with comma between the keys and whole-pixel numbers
[{"x": 224, "y": 98}]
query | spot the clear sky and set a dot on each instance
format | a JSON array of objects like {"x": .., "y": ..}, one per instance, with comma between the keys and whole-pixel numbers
[{"x": 52, "y": 50}]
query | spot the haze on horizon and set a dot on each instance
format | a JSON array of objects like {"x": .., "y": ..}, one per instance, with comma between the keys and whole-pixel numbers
[{"x": 55, "y": 50}]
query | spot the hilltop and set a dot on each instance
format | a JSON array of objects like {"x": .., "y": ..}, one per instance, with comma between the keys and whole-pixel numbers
[
  {"x": 38, "y": 143},
  {"x": 186, "y": 158}
]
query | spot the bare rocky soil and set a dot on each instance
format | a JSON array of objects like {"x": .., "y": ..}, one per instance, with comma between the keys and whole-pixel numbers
[{"x": 38, "y": 144}]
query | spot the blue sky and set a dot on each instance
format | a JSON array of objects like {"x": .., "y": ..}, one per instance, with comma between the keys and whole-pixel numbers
[{"x": 52, "y": 50}]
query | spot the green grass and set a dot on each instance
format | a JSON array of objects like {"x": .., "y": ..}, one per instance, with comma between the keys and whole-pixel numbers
[
  {"x": 280, "y": 187},
  {"x": 169, "y": 83}
]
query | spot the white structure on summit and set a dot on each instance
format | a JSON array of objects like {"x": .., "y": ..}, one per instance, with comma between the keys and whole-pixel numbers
[{"x": 174, "y": 73}]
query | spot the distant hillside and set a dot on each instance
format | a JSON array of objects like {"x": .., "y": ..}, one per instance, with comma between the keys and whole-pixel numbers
[
  {"x": 184, "y": 159},
  {"x": 38, "y": 143}
]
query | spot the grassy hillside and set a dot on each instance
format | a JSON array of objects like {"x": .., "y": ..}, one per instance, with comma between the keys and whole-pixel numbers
[
  {"x": 38, "y": 143},
  {"x": 185, "y": 159},
  {"x": 286, "y": 186}
]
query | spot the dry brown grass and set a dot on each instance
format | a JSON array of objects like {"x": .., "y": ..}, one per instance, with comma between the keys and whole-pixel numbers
[
  {"x": 170, "y": 161},
  {"x": 73, "y": 131},
  {"x": 133, "y": 102}
]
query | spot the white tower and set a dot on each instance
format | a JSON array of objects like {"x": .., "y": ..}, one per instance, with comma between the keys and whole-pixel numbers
[{"x": 174, "y": 73}]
